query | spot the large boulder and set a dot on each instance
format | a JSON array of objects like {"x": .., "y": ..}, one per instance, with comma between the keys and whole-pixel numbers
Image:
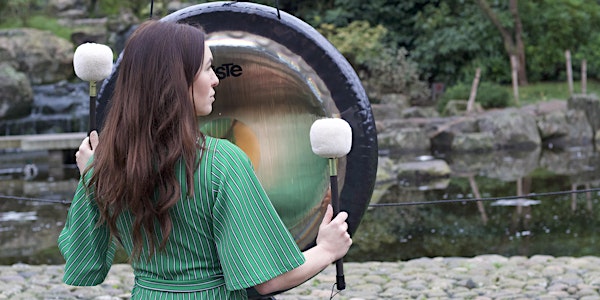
[
  {"x": 87, "y": 30},
  {"x": 559, "y": 126},
  {"x": 458, "y": 107},
  {"x": 590, "y": 104},
  {"x": 391, "y": 107},
  {"x": 57, "y": 6},
  {"x": 511, "y": 128},
  {"x": 42, "y": 56},
  {"x": 404, "y": 140},
  {"x": 475, "y": 141},
  {"x": 16, "y": 94}
]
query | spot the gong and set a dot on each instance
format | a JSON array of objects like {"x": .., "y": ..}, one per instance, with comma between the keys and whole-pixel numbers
[{"x": 277, "y": 76}]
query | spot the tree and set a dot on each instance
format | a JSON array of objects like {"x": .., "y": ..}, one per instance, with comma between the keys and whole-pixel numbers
[
  {"x": 553, "y": 26},
  {"x": 21, "y": 9},
  {"x": 453, "y": 39},
  {"x": 512, "y": 37}
]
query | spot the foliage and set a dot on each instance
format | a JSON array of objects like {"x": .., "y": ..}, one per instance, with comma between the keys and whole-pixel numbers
[
  {"x": 19, "y": 11},
  {"x": 489, "y": 95},
  {"x": 358, "y": 41},
  {"x": 448, "y": 51},
  {"x": 396, "y": 15},
  {"x": 393, "y": 72},
  {"x": 382, "y": 67},
  {"x": 561, "y": 25},
  {"x": 433, "y": 40}
]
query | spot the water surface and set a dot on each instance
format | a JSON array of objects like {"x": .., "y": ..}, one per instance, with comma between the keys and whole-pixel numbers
[{"x": 559, "y": 225}]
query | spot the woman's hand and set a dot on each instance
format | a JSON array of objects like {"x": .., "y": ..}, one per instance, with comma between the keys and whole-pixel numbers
[
  {"x": 86, "y": 150},
  {"x": 333, "y": 242},
  {"x": 333, "y": 237}
]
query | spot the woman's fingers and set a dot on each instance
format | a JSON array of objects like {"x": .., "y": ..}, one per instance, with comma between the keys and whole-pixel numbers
[
  {"x": 85, "y": 152},
  {"x": 328, "y": 215},
  {"x": 94, "y": 139},
  {"x": 84, "y": 147}
]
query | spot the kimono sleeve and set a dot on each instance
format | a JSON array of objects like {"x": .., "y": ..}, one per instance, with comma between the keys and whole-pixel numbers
[
  {"x": 253, "y": 243},
  {"x": 87, "y": 247}
]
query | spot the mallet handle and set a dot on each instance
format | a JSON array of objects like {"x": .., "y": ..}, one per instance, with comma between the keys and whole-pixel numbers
[
  {"x": 92, "y": 120},
  {"x": 335, "y": 203}
]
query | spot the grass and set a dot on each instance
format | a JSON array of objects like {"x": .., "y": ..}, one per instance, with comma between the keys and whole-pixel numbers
[
  {"x": 546, "y": 91},
  {"x": 40, "y": 22}
]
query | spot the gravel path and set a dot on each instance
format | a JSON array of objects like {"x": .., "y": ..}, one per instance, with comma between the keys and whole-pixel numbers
[{"x": 481, "y": 277}]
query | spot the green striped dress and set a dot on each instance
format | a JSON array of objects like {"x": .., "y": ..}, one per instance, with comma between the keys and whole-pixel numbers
[{"x": 225, "y": 239}]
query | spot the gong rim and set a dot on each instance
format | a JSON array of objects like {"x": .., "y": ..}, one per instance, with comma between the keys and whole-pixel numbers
[{"x": 333, "y": 69}]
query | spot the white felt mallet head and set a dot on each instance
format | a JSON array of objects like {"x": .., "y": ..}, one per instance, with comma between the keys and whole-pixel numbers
[
  {"x": 331, "y": 137},
  {"x": 93, "y": 62}
]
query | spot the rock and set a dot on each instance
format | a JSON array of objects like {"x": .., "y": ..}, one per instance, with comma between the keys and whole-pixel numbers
[
  {"x": 412, "y": 139},
  {"x": 423, "y": 170},
  {"x": 511, "y": 128},
  {"x": 459, "y": 107},
  {"x": 419, "y": 112},
  {"x": 119, "y": 29},
  {"x": 552, "y": 125},
  {"x": 400, "y": 99},
  {"x": 562, "y": 128},
  {"x": 579, "y": 130},
  {"x": 43, "y": 57},
  {"x": 87, "y": 30},
  {"x": 590, "y": 104},
  {"x": 16, "y": 94},
  {"x": 386, "y": 111},
  {"x": 469, "y": 142},
  {"x": 62, "y": 6},
  {"x": 391, "y": 107}
]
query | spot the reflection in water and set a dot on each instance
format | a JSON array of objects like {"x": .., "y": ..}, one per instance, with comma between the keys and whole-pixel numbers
[
  {"x": 562, "y": 224},
  {"x": 29, "y": 229}
]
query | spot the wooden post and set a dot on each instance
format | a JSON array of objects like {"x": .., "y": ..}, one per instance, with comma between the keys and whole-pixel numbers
[
  {"x": 584, "y": 76},
  {"x": 477, "y": 195},
  {"x": 569, "y": 71},
  {"x": 514, "y": 65},
  {"x": 473, "y": 90}
]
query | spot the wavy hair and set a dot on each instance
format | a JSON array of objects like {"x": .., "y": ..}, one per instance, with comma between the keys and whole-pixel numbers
[{"x": 151, "y": 125}]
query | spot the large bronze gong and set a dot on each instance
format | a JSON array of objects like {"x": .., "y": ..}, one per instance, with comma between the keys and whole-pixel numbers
[{"x": 277, "y": 76}]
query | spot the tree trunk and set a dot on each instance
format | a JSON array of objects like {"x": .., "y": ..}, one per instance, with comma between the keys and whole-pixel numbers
[
  {"x": 513, "y": 41},
  {"x": 520, "y": 47}
]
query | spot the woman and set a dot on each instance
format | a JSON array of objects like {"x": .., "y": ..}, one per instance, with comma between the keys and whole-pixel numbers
[{"x": 187, "y": 208}]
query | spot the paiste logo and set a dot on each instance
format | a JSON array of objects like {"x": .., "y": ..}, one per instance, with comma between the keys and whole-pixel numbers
[{"x": 228, "y": 70}]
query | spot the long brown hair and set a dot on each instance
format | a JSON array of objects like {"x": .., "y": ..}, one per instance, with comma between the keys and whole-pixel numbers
[{"x": 150, "y": 126}]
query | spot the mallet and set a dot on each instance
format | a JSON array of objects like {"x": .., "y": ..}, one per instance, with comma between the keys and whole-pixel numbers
[
  {"x": 92, "y": 62},
  {"x": 332, "y": 138}
]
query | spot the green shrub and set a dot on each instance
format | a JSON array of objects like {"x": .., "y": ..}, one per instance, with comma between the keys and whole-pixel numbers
[
  {"x": 358, "y": 42},
  {"x": 489, "y": 95},
  {"x": 391, "y": 71},
  {"x": 382, "y": 67}
]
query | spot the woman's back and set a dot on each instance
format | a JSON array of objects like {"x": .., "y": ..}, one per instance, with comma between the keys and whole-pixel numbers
[{"x": 227, "y": 237}]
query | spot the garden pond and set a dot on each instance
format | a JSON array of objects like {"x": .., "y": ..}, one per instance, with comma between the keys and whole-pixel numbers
[{"x": 534, "y": 202}]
